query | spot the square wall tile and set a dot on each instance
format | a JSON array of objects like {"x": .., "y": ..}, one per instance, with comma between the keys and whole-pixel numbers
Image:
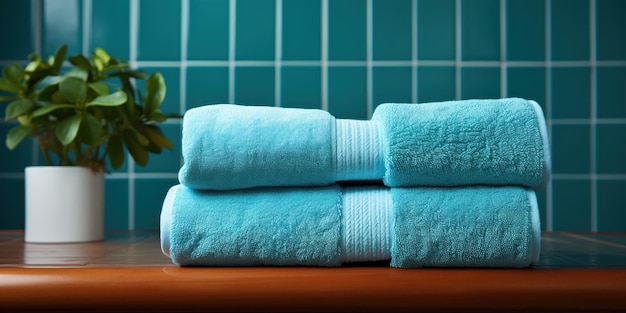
[
  {"x": 159, "y": 30},
  {"x": 347, "y": 92},
  {"x": 480, "y": 83},
  {"x": 16, "y": 14},
  {"x": 112, "y": 37},
  {"x": 169, "y": 160},
  {"x": 14, "y": 161},
  {"x": 570, "y": 30},
  {"x": 347, "y": 30},
  {"x": 391, "y": 84},
  {"x": 528, "y": 83},
  {"x": 301, "y": 30},
  {"x": 255, "y": 30},
  {"x": 254, "y": 85},
  {"x": 115, "y": 203},
  {"x": 570, "y": 149},
  {"x": 525, "y": 35},
  {"x": 171, "y": 76},
  {"x": 392, "y": 35},
  {"x": 149, "y": 196},
  {"x": 61, "y": 25},
  {"x": 301, "y": 87},
  {"x": 208, "y": 30},
  {"x": 611, "y": 199},
  {"x": 480, "y": 30},
  {"x": 571, "y": 205},
  {"x": 206, "y": 85},
  {"x": 12, "y": 214},
  {"x": 436, "y": 30},
  {"x": 611, "y": 149},
  {"x": 611, "y": 29},
  {"x": 611, "y": 85},
  {"x": 435, "y": 83},
  {"x": 571, "y": 92}
]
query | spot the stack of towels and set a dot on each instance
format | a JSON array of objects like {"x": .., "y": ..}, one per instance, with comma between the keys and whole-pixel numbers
[{"x": 447, "y": 184}]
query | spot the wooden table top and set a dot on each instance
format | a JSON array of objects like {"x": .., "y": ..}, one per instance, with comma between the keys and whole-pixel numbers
[{"x": 127, "y": 272}]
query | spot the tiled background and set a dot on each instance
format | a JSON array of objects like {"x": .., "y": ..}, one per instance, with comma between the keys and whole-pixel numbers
[{"x": 347, "y": 56}]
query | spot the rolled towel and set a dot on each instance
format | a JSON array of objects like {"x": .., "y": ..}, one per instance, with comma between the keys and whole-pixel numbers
[
  {"x": 328, "y": 226},
  {"x": 495, "y": 142}
]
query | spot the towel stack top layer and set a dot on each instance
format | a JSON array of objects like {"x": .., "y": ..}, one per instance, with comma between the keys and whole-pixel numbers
[{"x": 455, "y": 143}]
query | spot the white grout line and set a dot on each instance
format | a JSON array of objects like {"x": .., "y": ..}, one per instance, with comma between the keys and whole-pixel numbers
[
  {"x": 458, "y": 51},
  {"x": 548, "y": 72},
  {"x": 36, "y": 16},
  {"x": 184, "y": 40},
  {"x": 598, "y": 121},
  {"x": 86, "y": 27},
  {"x": 374, "y": 63},
  {"x": 593, "y": 114},
  {"x": 278, "y": 48},
  {"x": 414, "y": 38},
  {"x": 324, "y": 55},
  {"x": 503, "y": 56},
  {"x": 134, "y": 40},
  {"x": 232, "y": 24},
  {"x": 369, "y": 25}
]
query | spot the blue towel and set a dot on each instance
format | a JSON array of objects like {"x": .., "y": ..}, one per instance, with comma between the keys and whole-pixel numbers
[
  {"x": 464, "y": 227},
  {"x": 493, "y": 142},
  {"x": 328, "y": 226}
]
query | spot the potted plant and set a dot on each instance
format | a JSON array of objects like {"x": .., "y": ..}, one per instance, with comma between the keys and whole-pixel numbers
[{"x": 81, "y": 116}]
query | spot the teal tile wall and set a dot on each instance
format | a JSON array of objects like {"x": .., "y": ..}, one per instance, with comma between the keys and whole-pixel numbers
[{"x": 348, "y": 56}]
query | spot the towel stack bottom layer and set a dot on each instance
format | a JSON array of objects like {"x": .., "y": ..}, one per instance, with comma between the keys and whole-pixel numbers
[{"x": 328, "y": 226}]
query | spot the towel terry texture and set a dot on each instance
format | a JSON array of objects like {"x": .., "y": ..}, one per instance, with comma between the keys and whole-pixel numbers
[
  {"x": 469, "y": 142},
  {"x": 327, "y": 226}
]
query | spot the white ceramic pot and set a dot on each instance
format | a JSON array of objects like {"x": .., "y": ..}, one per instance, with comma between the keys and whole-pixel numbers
[{"x": 64, "y": 204}]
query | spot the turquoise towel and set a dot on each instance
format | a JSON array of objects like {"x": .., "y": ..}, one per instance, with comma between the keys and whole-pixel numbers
[
  {"x": 328, "y": 226},
  {"x": 464, "y": 227},
  {"x": 493, "y": 142}
]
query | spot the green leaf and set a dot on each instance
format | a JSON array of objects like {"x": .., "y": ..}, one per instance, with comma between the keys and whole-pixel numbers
[
  {"x": 47, "y": 92},
  {"x": 155, "y": 92},
  {"x": 90, "y": 129},
  {"x": 158, "y": 116},
  {"x": 81, "y": 61},
  {"x": 59, "y": 56},
  {"x": 115, "y": 150},
  {"x": 13, "y": 73},
  {"x": 98, "y": 64},
  {"x": 78, "y": 72},
  {"x": 101, "y": 88},
  {"x": 156, "y": 136},
  {"x": 141, "y": 139},
  {"x": 49, "y": 108},
  {"x": 7, "y": 98},
  {"x": 114, "y": 99},
  {"x": 67, "y": 129},
  {"x": 137, "y": 151},
  {"x": 16, "y": 135},
  {"x": 17, "y": 108},
  {"x": 102, "y": 55},
  {"x": 74, "y": 89},
  {"x": 33, "y": 64},
  {"x": 6, "y": 85}
]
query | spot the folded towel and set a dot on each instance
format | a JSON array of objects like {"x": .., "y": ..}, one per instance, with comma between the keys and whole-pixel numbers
[
  {"x": 497, "y": 142},
  {"x": 464, "y": 227},
  {"x": 328, "y": 226},
  {"x": 494, "y": 142}
]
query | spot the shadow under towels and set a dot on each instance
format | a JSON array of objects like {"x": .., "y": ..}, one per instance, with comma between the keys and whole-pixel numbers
[
  {"x": 328, "y": 226},
  {"x": 469, "y": 142}
]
